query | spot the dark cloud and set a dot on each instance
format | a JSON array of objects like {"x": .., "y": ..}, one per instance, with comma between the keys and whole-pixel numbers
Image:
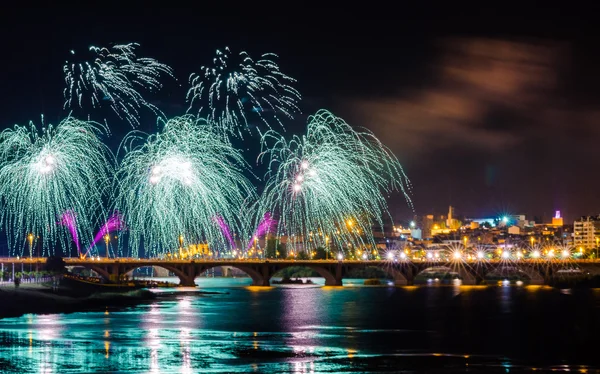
[
  {"x": 492, "y": 127},
  {"x": 486, "y": 91}
]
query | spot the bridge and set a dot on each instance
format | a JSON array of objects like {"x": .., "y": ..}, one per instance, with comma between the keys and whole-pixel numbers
[{"x": 537, "y": 271}]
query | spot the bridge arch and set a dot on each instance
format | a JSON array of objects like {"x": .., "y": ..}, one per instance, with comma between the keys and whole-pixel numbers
[
  {"x": 100, "y": 270},
  {"x": 179, "y": 273},
  {"x": 330, "y": 279},
  {"x": 467, "y": 274},
  {"x": 400, "y": 278},
  {"x": 258, "y": 278},
  {"x": 531, "y": 273}
]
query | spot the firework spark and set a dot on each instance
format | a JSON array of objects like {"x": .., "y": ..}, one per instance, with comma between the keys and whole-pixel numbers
[
  {"x": 113, "y": 76},
  {"x": 226, "y": 231},
  {"x": 236, "y": 87},
  {"x": 176, "y": 183},
  {"x": 69, "y": 220},
  {"x": 114, "y": 223},
  {"x": 329, "y": 186},
  {"x": 44, "y": 173},
  {"x": 266, "y": 225}
]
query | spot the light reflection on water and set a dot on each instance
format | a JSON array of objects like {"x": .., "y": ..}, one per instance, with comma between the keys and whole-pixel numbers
[{"x": 310, "y": 330}]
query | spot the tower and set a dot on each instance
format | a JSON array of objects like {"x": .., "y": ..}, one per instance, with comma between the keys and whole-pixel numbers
[{"x": 450, "y": 219}]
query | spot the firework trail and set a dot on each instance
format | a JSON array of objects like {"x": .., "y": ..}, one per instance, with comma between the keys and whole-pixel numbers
[
  {"x": 226, "y": 231},
  {"x": 113, "y": 76},
  {"x": 236, "y": 88},
  {"x": 47, "y": 172},
  {"x": 176, "y": 183},
  {"x": 330, "y": 184},
  {"x": 69, "y": 220},
  {"x": 114, "y": 223},
  {"x": 266, "y": 225}
]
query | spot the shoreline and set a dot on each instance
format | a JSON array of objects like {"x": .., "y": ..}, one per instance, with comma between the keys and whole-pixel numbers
[{"x": 39, "y": 300}]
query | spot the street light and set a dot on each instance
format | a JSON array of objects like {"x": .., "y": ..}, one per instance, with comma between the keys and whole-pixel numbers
[
  {"x": 30, "y": 238},
  {"x": 181, "y": 244},
  {"x": 106, "y": 241}
]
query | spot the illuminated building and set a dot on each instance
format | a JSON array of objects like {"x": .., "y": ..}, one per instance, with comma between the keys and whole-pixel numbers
[
  {"x": 450, "y": 219},
  {"x": 427, "y": 226},
  {"x": 557, "y": 219},
  {"x": 584, "y": 230}
]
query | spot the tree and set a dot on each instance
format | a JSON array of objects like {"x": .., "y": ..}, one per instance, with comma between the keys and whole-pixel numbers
[
  {"x": 282, "y": 249},
  {"x": 271, "y": 248},
  {"x": 302, "y": 255},
  {"x": 320, "y": 254},
  {"x": 55, "y": 264}
]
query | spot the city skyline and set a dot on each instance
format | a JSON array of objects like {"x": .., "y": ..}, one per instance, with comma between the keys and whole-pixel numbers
[{"x": 280, "y": 188}]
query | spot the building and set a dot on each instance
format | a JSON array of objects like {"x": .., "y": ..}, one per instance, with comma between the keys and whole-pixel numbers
[
  {"x": 426, "y": 226},
  {"x": 450, "y": 219},
  {"x": 557, "y": 219},
  {"x": 514, "y": 230},
  {"x": 416, "y": 234},
  {"x": 491, "y": 222},
  {"x": 584, "y": 231}
]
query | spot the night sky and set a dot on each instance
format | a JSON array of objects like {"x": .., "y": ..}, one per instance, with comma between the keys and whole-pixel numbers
[{"x": 490, "y": 111}]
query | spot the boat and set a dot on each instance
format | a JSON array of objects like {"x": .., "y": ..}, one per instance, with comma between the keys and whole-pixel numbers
[
  {"x": 101, "y": 285},
  {"x": 94, "y": 284}
]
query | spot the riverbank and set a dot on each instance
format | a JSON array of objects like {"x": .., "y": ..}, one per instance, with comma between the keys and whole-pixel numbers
[{"x": 38, "y": 299}]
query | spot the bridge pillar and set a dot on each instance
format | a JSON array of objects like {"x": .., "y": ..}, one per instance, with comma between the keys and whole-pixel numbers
[
  {"x": 260, "y": 274},
  {"x": 336, "y": 280},
  {"x": 536, "y": 274},
  {"x": 114, "y": 274},
  {"x": 187, "y": 281},
  {"x": 187, "y": 277},
  {"x": 403, "y": 277},
  {"x": 261, "y": 282},
  {"x": 467, "y": 278}
]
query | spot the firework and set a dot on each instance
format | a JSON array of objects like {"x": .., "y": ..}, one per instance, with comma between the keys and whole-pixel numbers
[
  {"x": 174, "y": 185},
  {"x": 50, "y": 171},
  {"x": 236, "y": 88},
  {"x": 69, "y": 220},
  {"x": 113, "y": 76},
  {"x": 329, "y": 186},
  {"x": 266, "y": 225},
  {"x": 226, "y": 231},
  {"x": 114, "y": 223}
]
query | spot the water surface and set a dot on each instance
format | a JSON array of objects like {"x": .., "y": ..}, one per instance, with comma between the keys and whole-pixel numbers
[{"x": 316, "y": 330}]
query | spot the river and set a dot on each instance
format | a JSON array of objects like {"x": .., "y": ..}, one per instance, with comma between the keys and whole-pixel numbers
[{"x": 298, "y": 329}]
